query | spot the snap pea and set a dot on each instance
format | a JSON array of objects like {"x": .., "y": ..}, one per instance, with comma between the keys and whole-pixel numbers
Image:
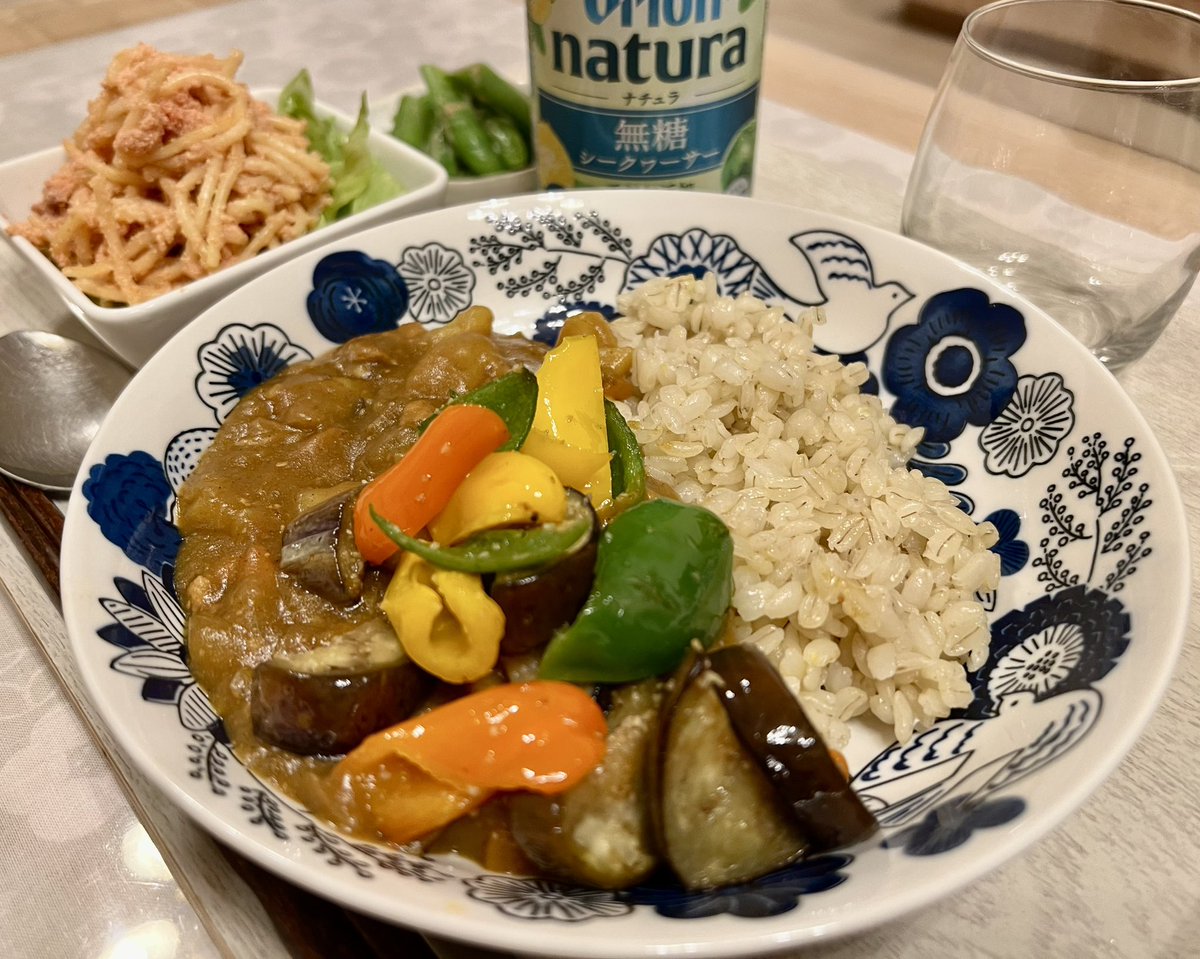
[
  {"x": 464, "y": 129},
  {"x": 489, "y": 87},
  {"x": 507, "y": 142},
  {"x": 628, "y": 467},
  {"x": 413, "y": 122},
  {"x": 441, "y": 150},
  {"x": 503, "y": 550},
  {"x": 441, "y": 88}
]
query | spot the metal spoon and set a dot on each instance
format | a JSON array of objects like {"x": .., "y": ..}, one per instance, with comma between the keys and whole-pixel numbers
[{"x": 54, "y": 393}]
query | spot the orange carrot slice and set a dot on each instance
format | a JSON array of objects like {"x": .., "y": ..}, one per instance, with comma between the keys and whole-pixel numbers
[{"x": 416, "y": 489}]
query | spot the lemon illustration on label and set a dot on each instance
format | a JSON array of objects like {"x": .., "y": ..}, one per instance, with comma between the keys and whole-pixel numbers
[
  {"x": 554, "y": 165},
  {"x": 737, "y": 170},
  {"x": 539, "y": 13}
]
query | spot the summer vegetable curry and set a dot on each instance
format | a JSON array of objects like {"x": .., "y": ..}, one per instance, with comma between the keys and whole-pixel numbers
[{"x": 432, "y": 599}]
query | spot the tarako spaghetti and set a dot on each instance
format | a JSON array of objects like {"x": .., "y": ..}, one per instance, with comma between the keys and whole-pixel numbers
[{"x": 176, "y": 172}]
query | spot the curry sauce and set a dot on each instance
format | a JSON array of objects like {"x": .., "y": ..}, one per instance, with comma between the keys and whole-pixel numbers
[{"x": 315, "y": 428}]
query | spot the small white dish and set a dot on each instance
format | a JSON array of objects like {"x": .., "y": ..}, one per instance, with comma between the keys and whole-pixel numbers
[
  {"x": 475, "y": 189},
  {"x": 136, "y": 332},
  {"x": 463, "y": 189}
]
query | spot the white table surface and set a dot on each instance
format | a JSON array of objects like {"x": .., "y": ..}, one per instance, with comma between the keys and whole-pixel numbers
[{"x": 79, "y": 877}]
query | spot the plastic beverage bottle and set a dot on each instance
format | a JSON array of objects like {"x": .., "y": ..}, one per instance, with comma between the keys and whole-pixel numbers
[{"x": 646, "y": 93}]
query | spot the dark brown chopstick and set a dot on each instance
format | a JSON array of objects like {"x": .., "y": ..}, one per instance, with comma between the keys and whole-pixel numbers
[
  {"x": 37, "y": 523},
  {"x": 310, "y": 927}
]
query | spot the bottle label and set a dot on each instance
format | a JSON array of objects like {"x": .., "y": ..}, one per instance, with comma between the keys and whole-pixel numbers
[{"x": 654, "y": 93}]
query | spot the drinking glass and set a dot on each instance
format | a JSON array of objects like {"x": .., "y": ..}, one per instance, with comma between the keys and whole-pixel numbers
[{"x": 1060, "y": 157}]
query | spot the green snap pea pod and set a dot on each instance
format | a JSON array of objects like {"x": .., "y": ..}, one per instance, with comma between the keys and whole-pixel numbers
[
  {"x": 664, "y": 579},
  {"x": 413, "y": 122},
  {"x": 440, "y": 149},
  {"x": 513, "y": 397},
  {"x": 503, "y": 550},
  {"x": 464, "y": 129},
  {"x": 489, "y": 87},
  {"x": 507, "y": 142},
  {"x": 628, "y": 467},
  {"x": 442, "y": 89}
]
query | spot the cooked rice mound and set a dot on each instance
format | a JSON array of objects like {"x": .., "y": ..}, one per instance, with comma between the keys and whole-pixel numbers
[{"x": 855, "y": 574}]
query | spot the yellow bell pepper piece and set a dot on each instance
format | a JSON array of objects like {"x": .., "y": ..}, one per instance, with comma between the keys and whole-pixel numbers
[
  {"x": 505, "y": 489},
  {"x": 568, "y": 431},
  {"x": 445, "y": 621},
  {"x": 577, "y": 468}
]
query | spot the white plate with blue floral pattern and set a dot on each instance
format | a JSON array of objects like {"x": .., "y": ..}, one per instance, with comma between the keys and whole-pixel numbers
[{"x": 1021, "y": 423}]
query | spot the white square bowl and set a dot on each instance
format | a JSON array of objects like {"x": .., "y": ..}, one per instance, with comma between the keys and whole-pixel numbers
[{"x": 136, "y": 332}]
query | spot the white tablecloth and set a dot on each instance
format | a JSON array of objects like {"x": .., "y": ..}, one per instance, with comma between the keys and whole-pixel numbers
[{"x": 77, "y": 874}]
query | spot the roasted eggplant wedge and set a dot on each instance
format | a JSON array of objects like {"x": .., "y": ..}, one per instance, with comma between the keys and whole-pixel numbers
[
  {"x": 319, "y": 552},
  {"x": 719, "y": 818},
  {"x": 599, "y": 833},
  {"x": 327, "y": 700},
  {"x": 774, "y": 729},
  {"x": 537, "y": 602},
  {"x": 743, "y": 783}
]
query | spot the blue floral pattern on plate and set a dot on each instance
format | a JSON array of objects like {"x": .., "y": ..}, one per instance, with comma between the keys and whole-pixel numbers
[
  {"x": 354, "y": 294},
  {"x": 1012, "y": 550},
  {"x": 951, "y": 824},
  {"x": 240, "y": 359},
  {"x": 127, "y": 496},
  {"x": 954, "y": 366},
  {"x": 544, "y": 899},
  {"x": 1029, "y": 430},
  {"x": 698, "y": 253},
  {"x": 1059, "y": 643},
  {"x": 771, "y": 895},
  {"x": 148, "y": 626},
  {"x": 957, "y": 370}
]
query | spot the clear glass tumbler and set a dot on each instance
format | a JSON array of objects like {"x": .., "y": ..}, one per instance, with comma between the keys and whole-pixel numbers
[{"x": 1062, "y": 157}]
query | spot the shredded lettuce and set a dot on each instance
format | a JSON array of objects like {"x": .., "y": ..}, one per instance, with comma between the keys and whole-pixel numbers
[{"x": 359, "y": 181}]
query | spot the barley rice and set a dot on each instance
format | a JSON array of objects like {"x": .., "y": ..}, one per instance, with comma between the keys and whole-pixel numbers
[{"x": 855, "y": 574}]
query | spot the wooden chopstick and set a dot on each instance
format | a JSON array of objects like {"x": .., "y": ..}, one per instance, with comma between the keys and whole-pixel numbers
[
  {"x": 37, "y": 523},
  {"x": 309, "y": 926}
]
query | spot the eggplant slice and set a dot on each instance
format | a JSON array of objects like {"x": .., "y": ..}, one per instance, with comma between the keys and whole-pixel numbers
[
  {"x": 719, "y": 817},
  {"x": 538, "y": 602},
  {"x": 599, "y": 833},
  {"x": 319, "y": 552},
  {"x": 774, "y": 729},
  {"x": 327, "y": 700}
]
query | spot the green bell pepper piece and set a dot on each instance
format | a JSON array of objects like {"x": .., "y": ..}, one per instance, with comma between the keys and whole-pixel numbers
[
  {"x": 664, "y": 579},
  {"x": 512, "y": 397}
]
